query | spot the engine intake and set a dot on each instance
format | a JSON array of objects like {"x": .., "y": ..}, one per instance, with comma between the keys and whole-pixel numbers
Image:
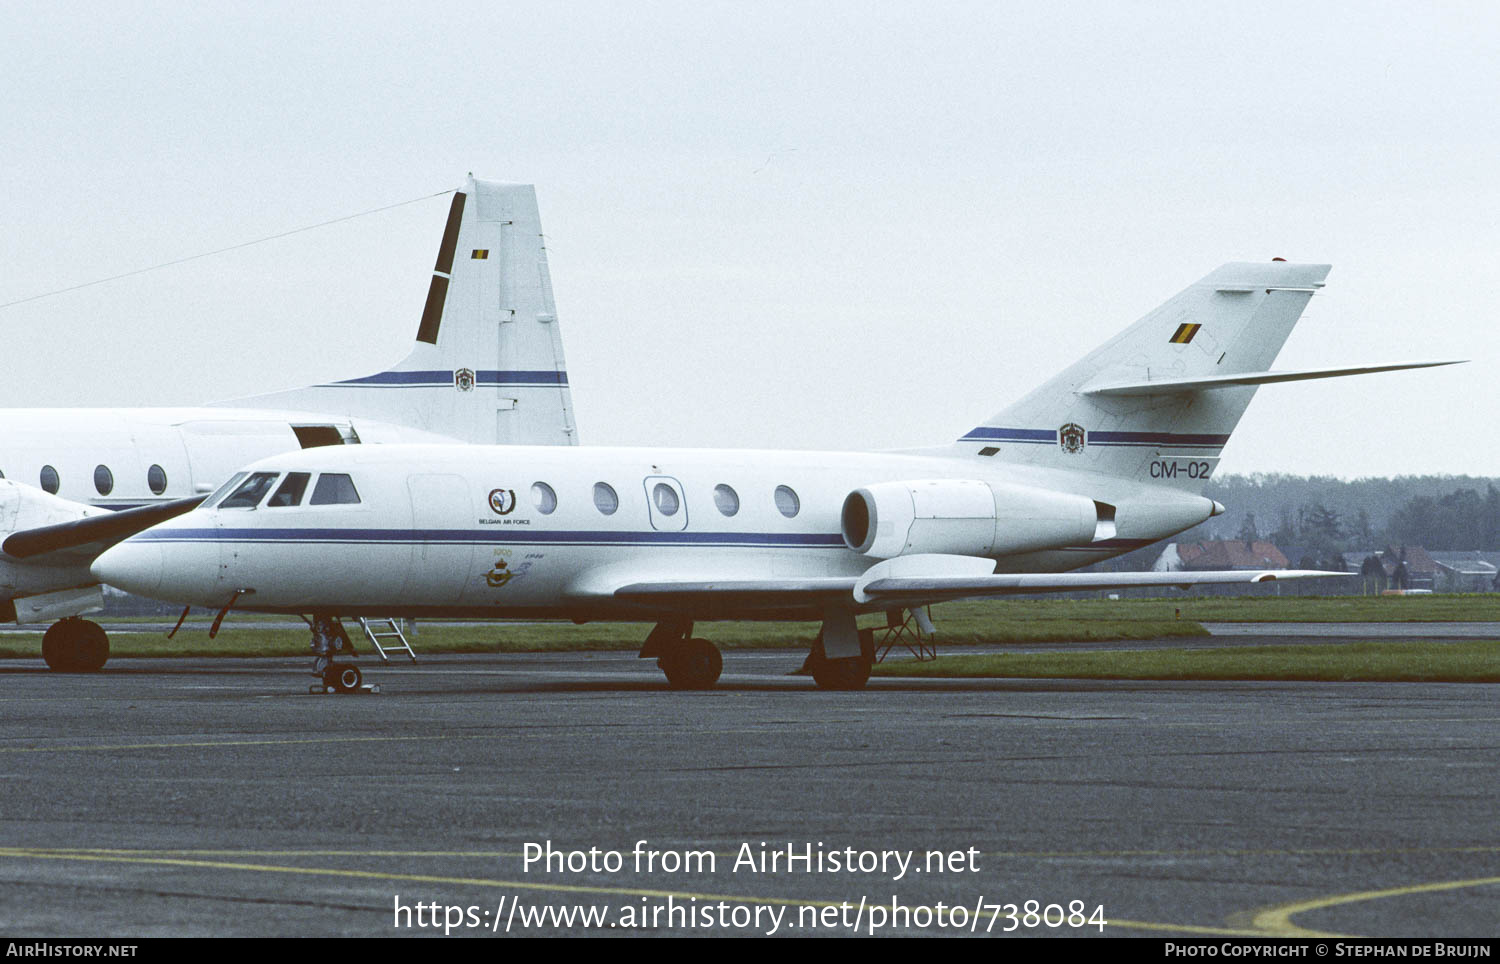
[{"x": 964, "y": 517}]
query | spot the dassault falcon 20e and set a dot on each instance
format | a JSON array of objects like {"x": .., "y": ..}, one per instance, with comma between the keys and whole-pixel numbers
[
  {"x": 486, "y": 366},
  {"x": 1108, "y": 456}
]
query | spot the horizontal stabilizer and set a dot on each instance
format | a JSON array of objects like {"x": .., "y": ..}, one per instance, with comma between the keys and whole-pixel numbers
[
  {"x": 98, "y": 532},
  {"x": 1176, "y": 386}
]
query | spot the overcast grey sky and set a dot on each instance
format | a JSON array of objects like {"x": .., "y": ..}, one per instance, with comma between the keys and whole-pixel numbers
[{"x": 787, "y": 225}]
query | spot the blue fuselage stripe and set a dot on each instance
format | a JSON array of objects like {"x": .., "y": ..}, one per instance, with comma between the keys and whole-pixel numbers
[
  {"x": 455, "y": 537},
  {"x": 1011, "y": 435},
  {"x": 489, "y": 378},
  {"x": 489, "y": 536},
  {"x": 1043, "y": 436}
]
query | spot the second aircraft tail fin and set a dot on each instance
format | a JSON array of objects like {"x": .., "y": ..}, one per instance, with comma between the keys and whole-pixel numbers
[{"x": 487, "y": 364}]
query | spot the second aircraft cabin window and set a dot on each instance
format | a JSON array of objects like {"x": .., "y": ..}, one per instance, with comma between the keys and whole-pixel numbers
[
  {"x": 156, "y": 477},
  {"x": 250, "y": 492},
  {"x": 726, "y": 499},
  {"x": 665, "y": 498},
  {"x": 605, "y": 499},
  {"x": 104, "y": 479},
  {"x": 543, "y": 498},
  {"x": 787, "y": 502},
  {"x": 290, "y": 492},
  {"x": 50, "y": 481},
  {"x": 334, "y": 488}
]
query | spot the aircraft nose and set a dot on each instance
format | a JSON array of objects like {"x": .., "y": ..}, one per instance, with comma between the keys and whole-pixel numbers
[{"x": 132, "y": 566}]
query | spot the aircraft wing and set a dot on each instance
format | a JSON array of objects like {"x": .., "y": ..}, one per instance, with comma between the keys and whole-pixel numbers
[
  {"x": 920, "y": 590},
  {"x": 887, "y": 590},
  {"x": 87, "y": 537}
]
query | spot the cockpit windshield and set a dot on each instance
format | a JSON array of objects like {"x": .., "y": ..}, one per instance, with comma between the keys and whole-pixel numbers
[
  {"x": 250, "y": 491},
  {"x": 224, "y": 489}
]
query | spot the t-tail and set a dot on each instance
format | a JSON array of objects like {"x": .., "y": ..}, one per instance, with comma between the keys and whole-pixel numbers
[
  {"x": 487, "y": 364},
  {"x": 1157, "y": 403}
]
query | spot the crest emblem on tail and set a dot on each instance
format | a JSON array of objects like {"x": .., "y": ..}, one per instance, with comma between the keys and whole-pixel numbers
[{"x": 1071, "y": 438}]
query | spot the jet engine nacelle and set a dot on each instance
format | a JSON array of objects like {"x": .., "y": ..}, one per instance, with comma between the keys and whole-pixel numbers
[{"x": 965, "y": 518}]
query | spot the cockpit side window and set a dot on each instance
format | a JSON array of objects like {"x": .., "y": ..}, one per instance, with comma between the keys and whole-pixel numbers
[
  {"x": 291, "y": 490},
  {"x": 250, "y": 492},
  {"x": 334, "y": 488},
  {"x": 224, "y": 489}
]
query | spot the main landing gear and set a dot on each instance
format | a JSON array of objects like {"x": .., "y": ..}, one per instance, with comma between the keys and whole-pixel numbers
[
  {"x": 841, "y": 656},
  {"x": 75, "y": 645},
  {"x": 329, "y": 643},
  {"x": 690, "y": 664},
  {"x": 846, "y": 673}
]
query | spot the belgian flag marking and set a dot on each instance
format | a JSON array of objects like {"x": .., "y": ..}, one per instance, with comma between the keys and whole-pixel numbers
[
  {"x": 1184, "y": 334},
  {"x": 480, "y": 254}
]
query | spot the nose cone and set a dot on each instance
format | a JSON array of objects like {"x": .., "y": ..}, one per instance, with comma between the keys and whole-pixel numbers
[{"x": 132, "y": 565}]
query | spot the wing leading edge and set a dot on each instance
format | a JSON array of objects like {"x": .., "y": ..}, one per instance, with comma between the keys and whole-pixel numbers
[{"x": 91, "y": 535}]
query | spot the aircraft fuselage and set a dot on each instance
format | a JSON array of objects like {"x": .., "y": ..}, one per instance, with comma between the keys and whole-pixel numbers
[{"x": 520, "y": 531}]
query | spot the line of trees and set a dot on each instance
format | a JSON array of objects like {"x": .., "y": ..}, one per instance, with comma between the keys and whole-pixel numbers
[{"x": 1334, "y": 515}]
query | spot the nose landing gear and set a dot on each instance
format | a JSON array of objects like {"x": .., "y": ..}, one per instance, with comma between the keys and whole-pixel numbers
[{"x": 329, "y": 642}]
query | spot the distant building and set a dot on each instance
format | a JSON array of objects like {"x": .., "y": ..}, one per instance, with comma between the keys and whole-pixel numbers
[
  {"x": 1399, "y": 567},
  {"x": 1465, "y": 571},
  {"x": 1220, "y": 555}
]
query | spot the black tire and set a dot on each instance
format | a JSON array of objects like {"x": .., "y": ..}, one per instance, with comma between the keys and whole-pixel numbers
[
  {"x": 693, "y": 665},
  {"x": 344, "y": 677},
  {"x": 841, "y": 674},
  {"x": 75, "y": 645}
]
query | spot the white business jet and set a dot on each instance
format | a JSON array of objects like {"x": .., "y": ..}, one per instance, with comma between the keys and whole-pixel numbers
[
  {"x": 1110, "y": 455},
  {"x": 487, "y": 366}
]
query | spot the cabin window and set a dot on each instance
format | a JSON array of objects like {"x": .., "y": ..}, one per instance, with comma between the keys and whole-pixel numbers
[
  {"x": 50, "y": 481},
  {"x": 787, "y": 502},
  {"x": 220, "y": 492},
  {"x": 334, "y": 488},
  {"x": 726, "y": 499},
  {"x": 605, "y": 499},
  {"x": 290, "y": 492},
  {"x": 666, "y": 499},
  {"x": 156, "y": 477},
  {"x": 104, "y": 479},
  {"x": 544, "y": 498},
  {"x": 250, "y": 491}
]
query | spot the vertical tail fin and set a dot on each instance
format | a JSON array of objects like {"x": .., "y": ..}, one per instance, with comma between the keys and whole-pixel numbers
[
  {"x": 487, "y": 364},
  {"x": 1235, "y": 320}
]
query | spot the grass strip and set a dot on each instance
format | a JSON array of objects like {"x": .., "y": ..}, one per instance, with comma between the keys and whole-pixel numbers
[{"x": 1415, "y": 661}]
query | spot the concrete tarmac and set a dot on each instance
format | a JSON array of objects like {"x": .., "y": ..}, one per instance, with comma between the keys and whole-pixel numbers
[{"x": 217, "y": 797}]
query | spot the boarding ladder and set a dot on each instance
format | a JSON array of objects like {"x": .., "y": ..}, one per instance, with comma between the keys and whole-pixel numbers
[{"x": 387, "y": 629}]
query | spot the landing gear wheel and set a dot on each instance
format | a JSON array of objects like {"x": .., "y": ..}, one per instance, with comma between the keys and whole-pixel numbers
[
  {"x": 841, "y": 674},
  {"x": 75, "y": 645},
  {"x": 693, "y": 665},
  {"x": 343, "y": 677}
]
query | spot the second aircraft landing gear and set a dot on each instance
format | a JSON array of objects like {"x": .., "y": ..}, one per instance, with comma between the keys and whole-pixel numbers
[
  {"x": 690, "y": 664},
  {"x": 75, "y": 645}
]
